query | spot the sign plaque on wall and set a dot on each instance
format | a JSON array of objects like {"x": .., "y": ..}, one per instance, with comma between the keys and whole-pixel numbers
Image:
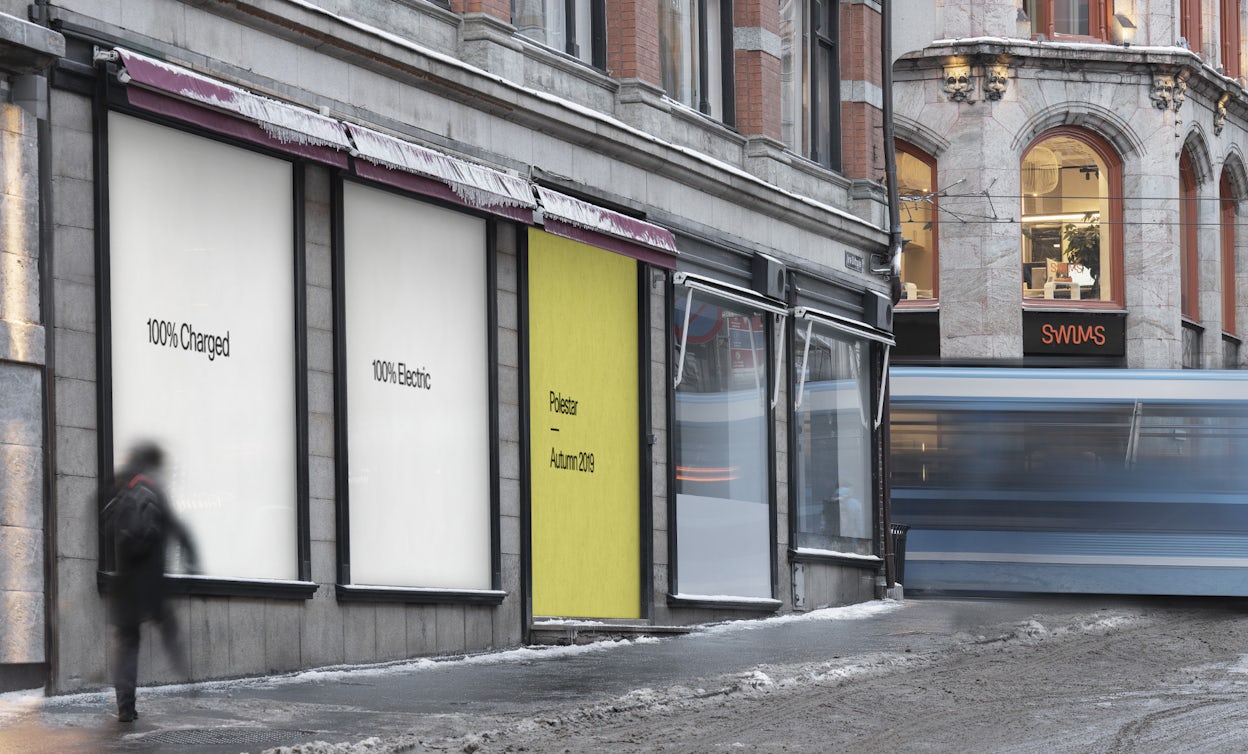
[{"x": 1074, "y": 333}]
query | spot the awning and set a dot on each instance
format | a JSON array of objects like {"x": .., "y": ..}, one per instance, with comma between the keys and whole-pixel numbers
[
  {"x": 579, "y": 220},
  {"x": 855, "y": 329},
  {"x": 164, "y": 88},
  {"x": 183, "y": 94},
  {"x": 843, "y": 324},
  {"x": 452, "y": 179}
]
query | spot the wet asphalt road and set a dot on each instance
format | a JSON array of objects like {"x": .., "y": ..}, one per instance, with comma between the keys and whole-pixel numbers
[{"x": 250, "y": 716}]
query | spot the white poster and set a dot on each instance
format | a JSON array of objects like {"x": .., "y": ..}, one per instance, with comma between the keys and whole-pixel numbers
[
  {"x": 202, "y": 320},
  {"x": 418, "y": 402}
]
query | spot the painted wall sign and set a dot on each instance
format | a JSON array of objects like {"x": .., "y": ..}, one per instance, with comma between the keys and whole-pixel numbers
[
  {"x": 1074, "y": 333},
  {"x": 584, "y": 431},
  {"x": 202, "y": 314},
  {"x": 418, "y": 401}
]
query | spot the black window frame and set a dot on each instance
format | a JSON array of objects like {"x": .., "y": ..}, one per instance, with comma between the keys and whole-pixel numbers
[
  {"x": 598, "y": 32},
  {"x": 825, "y": 78}
]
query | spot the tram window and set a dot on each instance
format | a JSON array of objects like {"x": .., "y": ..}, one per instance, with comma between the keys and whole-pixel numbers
[
  {"x": 1176, "y": 443},
  {"x": 971, "y": 448}
]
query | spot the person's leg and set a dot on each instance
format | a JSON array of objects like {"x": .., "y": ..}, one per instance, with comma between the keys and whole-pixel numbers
[
  {"x": 173, "y": 643},
  {"x": 127, "y": 672}
]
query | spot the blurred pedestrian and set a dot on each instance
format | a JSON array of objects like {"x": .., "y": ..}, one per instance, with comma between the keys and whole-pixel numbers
[{"x": 142, "y": 523}]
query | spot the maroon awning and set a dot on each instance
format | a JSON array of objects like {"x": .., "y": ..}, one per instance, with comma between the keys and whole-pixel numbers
[
  {"x": 426, "y": 171},
  {"x": 177, "y": 92},
  {"x": 582, "y": 221}
]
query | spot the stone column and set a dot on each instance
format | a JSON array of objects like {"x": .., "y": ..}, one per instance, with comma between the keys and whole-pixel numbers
[{"x": 25, "y": 49}]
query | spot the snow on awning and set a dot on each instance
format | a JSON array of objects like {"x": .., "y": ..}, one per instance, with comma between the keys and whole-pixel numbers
[
  {"x": 579, "y": 220},
  {"x": 439, "y": 174},
  {"x": 167, "y": 89},
  {"x": 177, "y": 92}
]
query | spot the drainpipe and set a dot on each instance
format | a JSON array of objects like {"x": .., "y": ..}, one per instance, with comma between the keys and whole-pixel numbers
[
  {"x": 895, "y": 244},
  {"x": 34, "y": 96},
  {"x": 895, "y": 241}
]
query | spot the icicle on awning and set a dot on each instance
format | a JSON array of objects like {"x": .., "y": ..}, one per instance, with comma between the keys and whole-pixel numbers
[{"x": 168, "y": 89}]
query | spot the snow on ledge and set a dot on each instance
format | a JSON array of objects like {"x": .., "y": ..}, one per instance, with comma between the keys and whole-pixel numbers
[{"x": 837, "y": 554}]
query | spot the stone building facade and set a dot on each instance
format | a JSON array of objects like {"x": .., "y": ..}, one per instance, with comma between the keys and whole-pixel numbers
[
  {"x": 1101, "y": 138},
  {"x": 465, "y": 324}
]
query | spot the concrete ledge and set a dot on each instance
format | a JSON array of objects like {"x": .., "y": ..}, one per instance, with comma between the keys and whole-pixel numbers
[
  {"x": 27, "y": 47},
  {"x": 588, "y": 632}
]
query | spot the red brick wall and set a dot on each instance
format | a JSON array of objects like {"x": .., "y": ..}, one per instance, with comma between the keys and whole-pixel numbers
[
  {"x": 757, "y": 73},
  {"x": 862, "y": 125},
  {"x": 500, "y": 9},
  {"x": 633, "y": 40},
  {"x": 860, "y": 44},
  {"x": 758, "y": 93}
]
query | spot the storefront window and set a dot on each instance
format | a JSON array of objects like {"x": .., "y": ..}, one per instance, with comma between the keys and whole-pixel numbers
[
  {"x": 723, "y": 533},
  {"x": 916, "y": 183},
  {"x": 832, "y": 423},
  {"x": 418, "y": 393},
  {"x": 1071, "y": 247},
  {"x": 202, "y": 337}
]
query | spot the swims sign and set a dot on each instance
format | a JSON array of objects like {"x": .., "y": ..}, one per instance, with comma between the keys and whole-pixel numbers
[{"x": 1074, "y": 333}]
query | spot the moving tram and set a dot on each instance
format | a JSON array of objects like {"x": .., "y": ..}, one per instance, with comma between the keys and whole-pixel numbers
[{"x": 1071, "y": 480}]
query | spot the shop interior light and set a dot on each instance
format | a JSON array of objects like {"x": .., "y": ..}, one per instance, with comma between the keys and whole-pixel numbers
[{"x": 1066, "y": 217}]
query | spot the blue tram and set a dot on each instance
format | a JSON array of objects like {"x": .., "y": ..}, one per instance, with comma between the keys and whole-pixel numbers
[{"x": 1072, "y": 480}]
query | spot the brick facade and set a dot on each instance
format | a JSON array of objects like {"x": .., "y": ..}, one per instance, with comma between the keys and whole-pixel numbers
[
  {"x": 862, "y": 119},
  {"x": 758, "y": 70},
  {"x": 633, "y": 40},
  {"x": 500, "y": 9}
]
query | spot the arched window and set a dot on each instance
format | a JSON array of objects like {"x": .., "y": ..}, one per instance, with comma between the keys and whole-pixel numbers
[
  {"x": 1072, "y": 217},
  {"x": 1189, "y": 246},
  {"x": 916, "y": 185},
  {"x": 1226, "y": 222}
]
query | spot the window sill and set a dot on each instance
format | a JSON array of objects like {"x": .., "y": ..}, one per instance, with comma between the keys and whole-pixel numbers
[
  {"x": 917, "y": 304},
  {"x": 1067, "y": 305},
  {"x": 716, "y": 602},
  {"x": 208, "y": 586},
  {"x": 419, "y": 596}
]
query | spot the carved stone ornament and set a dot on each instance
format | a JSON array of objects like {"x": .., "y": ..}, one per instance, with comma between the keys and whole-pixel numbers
[
  {"x": 1219, "y": 118},
  {"x": 1180, "y": 89},
  {"x": 958, "y": 83},
  {"x": 995, "y": 79},
  {"x": 1163, "y": 91}
]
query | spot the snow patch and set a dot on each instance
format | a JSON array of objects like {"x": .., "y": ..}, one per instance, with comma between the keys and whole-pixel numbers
[{"x": 849, "y": 612}]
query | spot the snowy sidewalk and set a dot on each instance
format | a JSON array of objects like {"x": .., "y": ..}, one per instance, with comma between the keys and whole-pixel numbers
[{"x": 348, "y": 705}]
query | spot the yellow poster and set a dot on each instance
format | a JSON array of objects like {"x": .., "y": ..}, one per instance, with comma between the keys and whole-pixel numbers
[{"x": 584, "y": 435}]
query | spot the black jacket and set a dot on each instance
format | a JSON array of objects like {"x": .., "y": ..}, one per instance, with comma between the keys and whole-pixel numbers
[{"x": 138, "y": 586}]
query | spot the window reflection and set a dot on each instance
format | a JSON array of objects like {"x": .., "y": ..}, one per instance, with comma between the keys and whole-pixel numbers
[
  {"x": 720, "y": 441},
  {"x": 833, "y": 442}
]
